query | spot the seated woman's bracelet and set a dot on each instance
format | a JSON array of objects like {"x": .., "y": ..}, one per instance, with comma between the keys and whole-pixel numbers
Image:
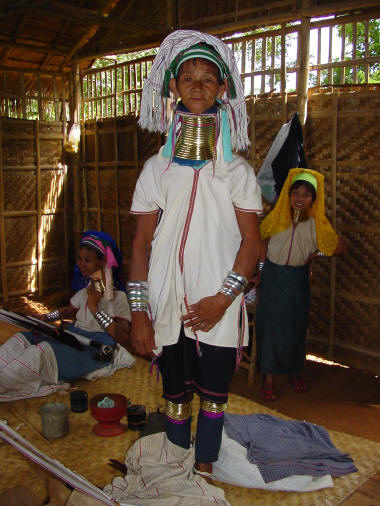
[
  {"x": 233, "y": 284},
  {"x": 320, "y": 254},
  {"x": 138, "y": 296},
  {"x": 53, "y": 316},
  {"x": 103, "y": 319}
]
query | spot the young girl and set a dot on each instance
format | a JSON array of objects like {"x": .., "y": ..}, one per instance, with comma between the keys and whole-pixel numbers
[
  {"x": 295, "y": 232},
  {"x": 34, "y": 365}
]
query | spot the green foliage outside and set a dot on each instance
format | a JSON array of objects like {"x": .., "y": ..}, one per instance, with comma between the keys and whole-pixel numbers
[
  {"x": 373, "y": 50},
  {"x": 101, "y": 86}
]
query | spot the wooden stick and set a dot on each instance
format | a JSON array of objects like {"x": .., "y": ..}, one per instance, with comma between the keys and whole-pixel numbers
[{"x": 27, "y": 423}]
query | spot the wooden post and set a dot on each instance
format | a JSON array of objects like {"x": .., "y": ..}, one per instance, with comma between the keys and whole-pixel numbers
[
  {"x": 283, "y": 76},
  {"x": 40, "y": 231},
  {"x": 304, "y": 41},
  {"x": 116, "y": 175},
  {"x": 77, "y": 190},
  {"x": 3, "y": 259},
  {"x": 171, "y": 15},
  {"x": 97, "y": 175},
  {"x": 333, "y": 221}
]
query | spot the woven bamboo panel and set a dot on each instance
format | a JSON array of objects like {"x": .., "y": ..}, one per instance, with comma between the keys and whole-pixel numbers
[
  {"x": 91, "y": 185},
  {"x": 148, "y": 145},
  {"x": 318, "y": 138},
  {"x": 34, "y": 201},
  {"x": 92, "y": 221},
  {"x": 358, "y": 139},
  {"x": 53, "y": 274},
  {"x": 319, "y": 315},
  {"x": 266, "y": 118},
  {"x": 107, "y": 189},
  {"x": 16, "y": 228},
  {"x": 357, "y": 276},
  {"x": 26, "y": 196},
  {"x": 126, "y": 181},
  {"x": 127, "y": 138},
  {"x": 52, "y": 196},
  {"x": 18, "y": 151},
  {"x": 359, "y": 272},
  {"x": 127, "y": 232},
  {"x": 22, "y": 279},
  {"x": 106, "y": 144},
  {"x": 109, "y": 223},
  {"x": 89, "y": 154},
  {"x": 51, "y": 151},
  {"x": 357, "y": 323},
  {"x": 358, "y": 198},
  {"x": 17, "y": 128},
  {"x": 52, "y": 226}
]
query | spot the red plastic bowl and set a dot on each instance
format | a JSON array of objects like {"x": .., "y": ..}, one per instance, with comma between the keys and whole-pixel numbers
[{"x": 109, "y": 418}]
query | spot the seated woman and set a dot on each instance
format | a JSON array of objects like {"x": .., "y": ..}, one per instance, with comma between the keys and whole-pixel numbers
[{"x": 35, "y": 365}]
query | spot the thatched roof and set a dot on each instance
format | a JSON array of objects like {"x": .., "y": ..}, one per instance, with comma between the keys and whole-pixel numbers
[{"x": 51, "y": 34}]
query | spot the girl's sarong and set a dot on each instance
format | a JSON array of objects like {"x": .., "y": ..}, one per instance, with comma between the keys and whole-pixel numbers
[{"x": 282, "y": 317}]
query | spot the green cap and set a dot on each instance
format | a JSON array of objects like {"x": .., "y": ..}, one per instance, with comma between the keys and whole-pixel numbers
[{"x": 305, "y": 176}]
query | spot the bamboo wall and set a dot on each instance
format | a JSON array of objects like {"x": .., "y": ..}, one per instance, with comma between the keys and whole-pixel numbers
[
  {"x": 34, "y": 221},
  {"x": 114, "y": 151},
  {"x": 342, "y": 141}
]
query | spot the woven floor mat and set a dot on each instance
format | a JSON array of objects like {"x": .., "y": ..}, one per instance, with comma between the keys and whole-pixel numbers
[{"x": 87, "y": 454}]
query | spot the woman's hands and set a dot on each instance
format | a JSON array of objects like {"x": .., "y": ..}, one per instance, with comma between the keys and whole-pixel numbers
[
  {"x": 206, "y": 313},
  {"x": 142, "y": 334}
]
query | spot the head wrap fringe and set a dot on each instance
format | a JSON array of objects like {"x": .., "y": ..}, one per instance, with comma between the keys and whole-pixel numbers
[
  {"x": 155, "y": 112},
  {"x": 279, "y": 218}
]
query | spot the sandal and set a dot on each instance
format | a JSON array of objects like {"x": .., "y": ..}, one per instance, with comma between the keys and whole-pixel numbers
[
  {"x": 300, "y": 386},
  {"x": 267, "y": 395}
]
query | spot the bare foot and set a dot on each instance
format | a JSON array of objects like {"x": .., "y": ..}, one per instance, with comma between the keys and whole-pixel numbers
[
  {"x": 267, "y": 392},
  {"x": 204, "y": 469}
]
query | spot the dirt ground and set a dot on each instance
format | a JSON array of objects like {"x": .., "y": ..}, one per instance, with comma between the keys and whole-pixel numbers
[{"x": 343, "y": 399}]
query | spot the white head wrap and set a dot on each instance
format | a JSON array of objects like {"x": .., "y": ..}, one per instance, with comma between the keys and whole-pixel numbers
[{"x": 155, "y": 114}]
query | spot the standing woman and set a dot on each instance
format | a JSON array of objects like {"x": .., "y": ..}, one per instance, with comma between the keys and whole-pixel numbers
[{"x": 295, "y": 232}]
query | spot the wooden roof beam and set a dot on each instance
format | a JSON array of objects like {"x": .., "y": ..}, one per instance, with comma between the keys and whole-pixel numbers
[
  {"x": 14, "y": 38},
  {"x": 110, "y": 5},
  {"x": 31, "y": 47},
  {"x": 120, "y": 15},
  {"x": 273, "y": 18},
  {"x": 60, "y": 10}
]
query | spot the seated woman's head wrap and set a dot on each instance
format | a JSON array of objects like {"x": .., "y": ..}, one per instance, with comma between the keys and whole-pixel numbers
[{"x": 105, "y": 245}]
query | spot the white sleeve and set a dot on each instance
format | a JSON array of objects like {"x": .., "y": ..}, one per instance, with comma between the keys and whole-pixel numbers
[
  {"x": 245, "y": 192},
  {"x": 78, "y": 298},
  {"x": 120, "y": 306},
  {"x": 146, "y": 196}
]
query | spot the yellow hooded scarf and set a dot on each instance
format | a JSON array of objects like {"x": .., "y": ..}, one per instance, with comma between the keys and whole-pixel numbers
[{"x": 279, "y": 218}]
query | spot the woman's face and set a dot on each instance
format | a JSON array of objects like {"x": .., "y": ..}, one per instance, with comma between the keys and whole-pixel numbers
[
  {"x": 88, "y": 261},
  {"x": 301, "y": 198}
]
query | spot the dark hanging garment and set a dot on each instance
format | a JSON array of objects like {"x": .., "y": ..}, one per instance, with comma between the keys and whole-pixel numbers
[{"x": 285, "y": 153}]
